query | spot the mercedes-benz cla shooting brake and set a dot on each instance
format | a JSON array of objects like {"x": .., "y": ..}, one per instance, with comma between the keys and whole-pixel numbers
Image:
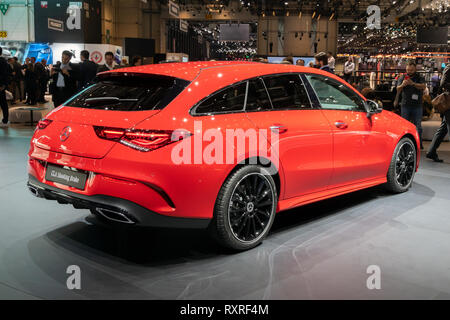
[{"x": 217, "y": 145}]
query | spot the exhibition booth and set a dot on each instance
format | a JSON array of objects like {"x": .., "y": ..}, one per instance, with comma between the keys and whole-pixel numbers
[{"x": 225, "y": 155}]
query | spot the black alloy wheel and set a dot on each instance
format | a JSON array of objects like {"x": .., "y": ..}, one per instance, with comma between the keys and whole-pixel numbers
[
  {"x": 402, "y": 167},
  {"x": 250, "y": 207},
  {"x": 405, "y": 164},
  {"x": 245, "y": 208}
]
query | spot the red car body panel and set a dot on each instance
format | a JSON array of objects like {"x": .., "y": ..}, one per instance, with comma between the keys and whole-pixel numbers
[
  {"x": 306, "y": 148},
  {"x": 317, "y": 159},
  {"x": 360, "y": 149}
]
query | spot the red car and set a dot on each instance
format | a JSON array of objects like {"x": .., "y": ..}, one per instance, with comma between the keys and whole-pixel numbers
[{"x": 144, "y": 146}]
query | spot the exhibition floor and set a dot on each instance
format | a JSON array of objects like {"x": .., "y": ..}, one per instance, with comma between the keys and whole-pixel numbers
[{"x": 319, "y": 251}]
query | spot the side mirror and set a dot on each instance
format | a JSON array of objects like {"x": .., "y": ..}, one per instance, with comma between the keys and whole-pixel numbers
[{"x": 372, "y": 108}]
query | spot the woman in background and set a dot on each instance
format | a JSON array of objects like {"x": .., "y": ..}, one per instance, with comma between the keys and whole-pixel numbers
[{"x": 136, "y": 61}]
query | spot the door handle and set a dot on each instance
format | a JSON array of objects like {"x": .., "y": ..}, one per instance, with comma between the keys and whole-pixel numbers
[
  {"x": 278, "y": 128},
  {"x": 341, "y": 125}
]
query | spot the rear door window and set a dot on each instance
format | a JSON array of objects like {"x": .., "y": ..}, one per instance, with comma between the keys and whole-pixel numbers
[
  {"x": 257, "y": 98},
  {"x": 129, "y": 93},
  {"x": 287, "y": 92},
  {"x": 230, "y": 99}
]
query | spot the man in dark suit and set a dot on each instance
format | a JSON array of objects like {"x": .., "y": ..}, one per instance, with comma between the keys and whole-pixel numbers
[
  {"x": 88, "y": 69},
  {"x": 43, "y": 75},
  {"x": 18, "y": 79},
  {"x": 109, "y": 62},
  {"x": 322, "y": 61},
  {"x": 4, "y": 76},
  {"x": 12, "y": 84},
  {"x": 444, "y": 128},
  {"x": 31, "y": 80},
  {"x": 65, "y": 76}
]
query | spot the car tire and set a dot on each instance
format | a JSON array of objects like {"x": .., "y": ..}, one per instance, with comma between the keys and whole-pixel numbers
[
  {"x": 245, "y": 208},
  {"x": 402, "y": 167}
]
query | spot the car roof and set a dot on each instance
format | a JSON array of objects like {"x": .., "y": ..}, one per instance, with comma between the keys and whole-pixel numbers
[
  {"x": 240, "y": 70},
  {"x": 182, "y": 70},
  {"x": 190, "y": 70}
]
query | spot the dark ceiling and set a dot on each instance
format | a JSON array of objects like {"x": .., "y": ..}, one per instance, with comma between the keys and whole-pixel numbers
[{"x": 397, "y": 10}]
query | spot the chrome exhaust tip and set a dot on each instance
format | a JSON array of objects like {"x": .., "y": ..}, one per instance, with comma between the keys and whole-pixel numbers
[
  {"x": 114, "y": 215},
  {"x": 34, "y": 191}
]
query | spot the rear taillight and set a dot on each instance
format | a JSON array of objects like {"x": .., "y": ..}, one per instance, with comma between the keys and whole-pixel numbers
[
  {"x": 109, "y": 133},
  {"x": 44, "y": 123},
  {"x": 142, "y": 140}
]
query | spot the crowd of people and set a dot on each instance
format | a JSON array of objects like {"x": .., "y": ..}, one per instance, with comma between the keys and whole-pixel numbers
[
  {"x": 323, "y": 61},
  {"x": 412, "y": 97},
  {"x": 29, "y": 82},
  {"x": 66, "y": 78}
]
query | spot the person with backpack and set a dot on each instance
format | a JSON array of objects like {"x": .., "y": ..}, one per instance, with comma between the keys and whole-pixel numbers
[{"x": 444, "y": 128}]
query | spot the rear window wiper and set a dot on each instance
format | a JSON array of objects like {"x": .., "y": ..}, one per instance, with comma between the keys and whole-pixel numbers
[{"x": 101, "y": 101}]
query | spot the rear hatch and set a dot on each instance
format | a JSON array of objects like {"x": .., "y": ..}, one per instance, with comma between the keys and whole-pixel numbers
[{"x": 116, "y": 101}]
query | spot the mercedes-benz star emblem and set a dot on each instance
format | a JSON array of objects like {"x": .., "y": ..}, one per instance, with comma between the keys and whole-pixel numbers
[{"x": 65, "y": 133}]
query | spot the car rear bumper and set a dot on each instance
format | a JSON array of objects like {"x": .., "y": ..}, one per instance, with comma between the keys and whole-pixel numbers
[
  {"x": 113, "y": 209},
  {"x": 150, "y": 180}
]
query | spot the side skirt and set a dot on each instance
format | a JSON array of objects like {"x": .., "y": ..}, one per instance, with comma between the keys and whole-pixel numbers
[{"x": 330, "y": 193}]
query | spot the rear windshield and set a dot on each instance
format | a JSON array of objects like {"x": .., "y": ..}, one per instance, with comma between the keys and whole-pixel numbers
[{"x": 129, "y": 93}]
